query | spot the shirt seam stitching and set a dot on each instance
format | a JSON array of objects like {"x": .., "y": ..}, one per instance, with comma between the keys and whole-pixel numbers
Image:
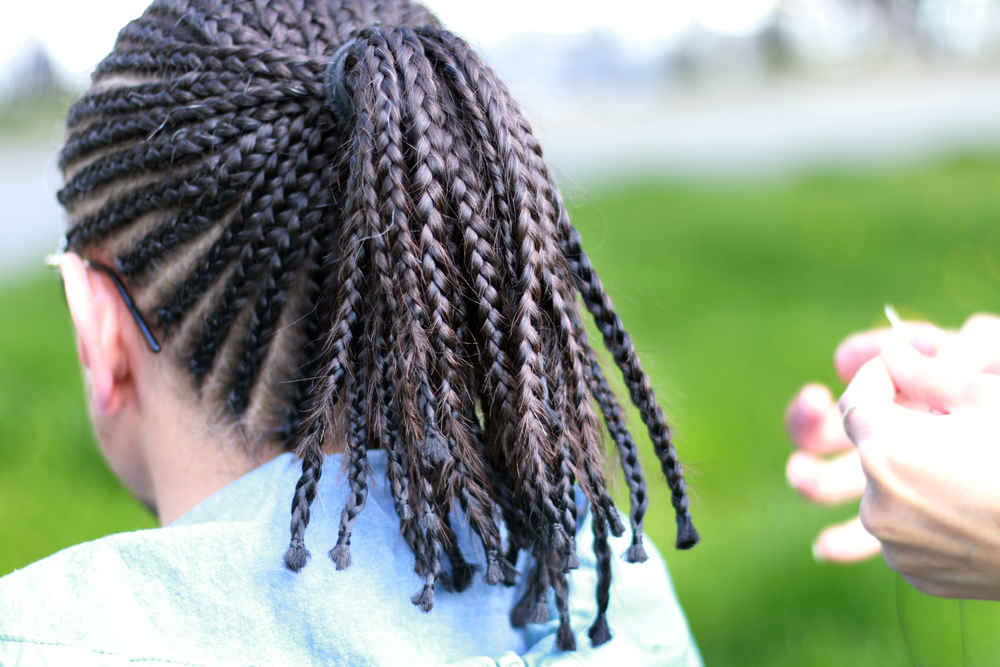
[{"x": 6, "y": 638}]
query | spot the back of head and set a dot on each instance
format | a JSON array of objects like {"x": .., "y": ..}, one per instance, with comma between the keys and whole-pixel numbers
[{"x": 341, "y": 224}]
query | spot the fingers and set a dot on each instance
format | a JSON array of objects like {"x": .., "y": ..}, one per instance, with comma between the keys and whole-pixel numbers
[
  {"x": 845, "y": 543},
  {"x": 981, "y": 325},
  {"x": 813, "y": 421},
  {"x": 828, "y": 482},
  {"x": 860, "y": 348},
  {"x": 857, "y": 350},
  {"x": 941, "y": 384},
  {"x": 979, "y": 344},
  {"x": 868, "y": 400}
]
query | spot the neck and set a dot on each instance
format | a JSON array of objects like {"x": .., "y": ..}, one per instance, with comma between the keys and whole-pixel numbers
[
  {"x": 187, "y": 457},
  {"x": 186, "y": 467}
]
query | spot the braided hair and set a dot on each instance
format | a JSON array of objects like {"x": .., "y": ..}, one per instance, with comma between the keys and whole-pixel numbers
[{"x": 396, "y": 266}]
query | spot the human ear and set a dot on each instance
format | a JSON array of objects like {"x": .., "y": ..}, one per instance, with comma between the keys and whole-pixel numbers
[{"x": 95, "y": 307}]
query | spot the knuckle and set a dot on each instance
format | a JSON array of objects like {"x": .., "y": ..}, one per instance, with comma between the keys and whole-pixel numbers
[
  {"x": 982, "y": 322},
  {"x": 930, "y": 587},
  {"x": 875, "y": 457},
  {"x": 872, "y": 518},
  {"x": 901, "y": 560},
  {"x": 892, "y": 559}
]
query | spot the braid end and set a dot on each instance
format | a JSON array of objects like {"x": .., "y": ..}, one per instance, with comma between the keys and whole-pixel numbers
[
  {"x": 461, "y": 575},
  {"x": 435, "y": 447},
  {"x": 495, "y": 571},
  {"x": 599, "y": 632},
  {"x": 424, "y": 598},
  {"x": 565, "y": 638},
  {"x": 615, "y": 523},
  {"x": 539, "y": 613},
  {"x": 519, "y": 616},
  {"x": 341, "y": 555},
  {"x": 430, "y": 522},
  {"x": 296, "y": 556},
  {"x": 637, "y": 553},
  {"x": 522, "y": 612},
  {"x": 558, "y": 538},
  {"x": 687, "y": 535},
  {"x": 572, "y": 561}
]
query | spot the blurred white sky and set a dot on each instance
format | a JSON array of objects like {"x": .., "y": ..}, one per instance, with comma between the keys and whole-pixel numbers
[{"x": 78, "y": 33}]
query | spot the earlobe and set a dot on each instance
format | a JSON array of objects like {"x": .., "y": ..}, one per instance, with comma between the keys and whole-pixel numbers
[{"x": 93, "y": 308}]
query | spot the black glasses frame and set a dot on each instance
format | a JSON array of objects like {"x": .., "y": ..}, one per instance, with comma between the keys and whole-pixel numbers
[
  {"x": 154, "y": 345},
  {"x": 147, "y": 333}
]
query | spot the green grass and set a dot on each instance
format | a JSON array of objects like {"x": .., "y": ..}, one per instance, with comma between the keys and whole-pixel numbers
[
  {"x": 55, "y": 490},
  {"x": 735, "y": 297},
  {"x": 33, "y": 119}
]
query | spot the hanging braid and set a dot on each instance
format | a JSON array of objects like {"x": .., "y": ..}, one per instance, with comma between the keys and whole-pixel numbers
[
  {"x": 349, "y": 237},
  {"x": 619, "y": 343},
  {"x": 520, "y": 237},
  {"x": 357, "y": 470},
  {"x": 599, "y": 632}
]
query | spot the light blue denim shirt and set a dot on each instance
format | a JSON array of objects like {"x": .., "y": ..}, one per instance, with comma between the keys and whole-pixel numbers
[{"x": 211, "y": 589}]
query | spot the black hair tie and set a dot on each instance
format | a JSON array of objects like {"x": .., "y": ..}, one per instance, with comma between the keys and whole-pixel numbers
[{"x": 335, "y": 93}]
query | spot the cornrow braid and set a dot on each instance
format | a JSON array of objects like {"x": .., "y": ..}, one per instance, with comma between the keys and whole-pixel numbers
[
  {"x": 181, "y": 59},
  {"x": 170, "y": 151},
  {"x": 173, "y": 191},
  {"x": 377, "y": 260},
  {"x": 204, "y": 89},
  {"x": 303, "y": 217},
  {"x": 234, "y": 171}
]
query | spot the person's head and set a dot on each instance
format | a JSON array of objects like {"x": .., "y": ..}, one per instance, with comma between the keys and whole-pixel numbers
[{"x": 339, "y": 226}]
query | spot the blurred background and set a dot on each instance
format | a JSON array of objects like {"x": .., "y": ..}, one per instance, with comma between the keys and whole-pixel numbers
[{"x": 754, "y": 179}]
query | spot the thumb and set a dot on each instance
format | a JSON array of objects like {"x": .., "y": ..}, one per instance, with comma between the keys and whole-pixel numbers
[
  {"x": 942, "y": 385},
  {"x": 868, "y": 401}
]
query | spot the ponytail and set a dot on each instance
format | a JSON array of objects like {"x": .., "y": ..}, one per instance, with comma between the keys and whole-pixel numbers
[
  {"x": 370, "y": 243},
  {"x": 452, "y": 214}
]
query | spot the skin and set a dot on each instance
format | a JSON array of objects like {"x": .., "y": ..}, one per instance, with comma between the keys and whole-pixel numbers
[
  {"x": 149, "y": 426},
  {"x": 921, "y": 449}
]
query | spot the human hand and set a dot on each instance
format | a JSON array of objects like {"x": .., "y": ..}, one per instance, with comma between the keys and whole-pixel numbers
[
  {"x": 931, "y": 497},
  {"x": 814, "y": 422}
]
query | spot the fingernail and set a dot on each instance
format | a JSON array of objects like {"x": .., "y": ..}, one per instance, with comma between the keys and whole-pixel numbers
[
  {"x": 816, "y": 397},
  {"x": 801, "y": 471},
  {"x": 924, "y": 345},
  {"x": 817, "y": 555}
]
